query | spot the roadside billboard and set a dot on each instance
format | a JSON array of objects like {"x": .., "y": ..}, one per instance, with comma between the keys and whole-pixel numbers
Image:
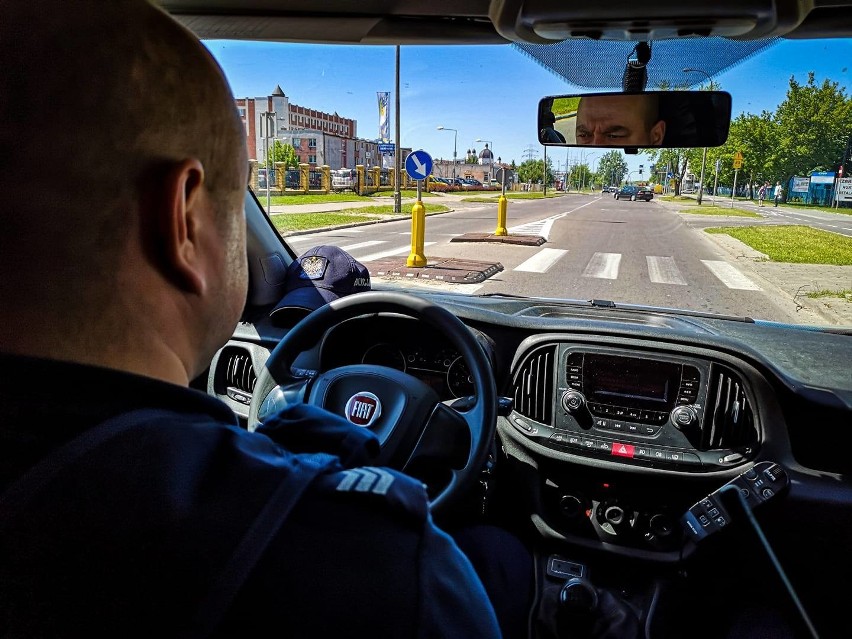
[
  {"x": 800, "y": 185},
  {"x": 844, "y": 190},
  {"x": 822, "y": 177}
]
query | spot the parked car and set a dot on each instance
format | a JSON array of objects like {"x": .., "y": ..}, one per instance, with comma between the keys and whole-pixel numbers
[{"x": 632, "y": 192}]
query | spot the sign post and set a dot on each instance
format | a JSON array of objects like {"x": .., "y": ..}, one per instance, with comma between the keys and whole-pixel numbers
[
  {"x": 418, "y": 165},
  {"x": 716, "y": 179},
  {"x": 738, "y": 164}
]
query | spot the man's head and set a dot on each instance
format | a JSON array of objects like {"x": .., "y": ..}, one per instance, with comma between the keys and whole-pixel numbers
[
  {"x": 620, "y": 120},
  {"x": 122, "y": 180}
]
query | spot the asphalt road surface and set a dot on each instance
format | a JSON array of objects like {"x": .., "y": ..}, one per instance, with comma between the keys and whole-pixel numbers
[{"x": 596, "y": 248}]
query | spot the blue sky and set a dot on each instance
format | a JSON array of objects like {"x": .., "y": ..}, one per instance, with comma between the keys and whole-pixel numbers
[{"x": 486, "y": 92}]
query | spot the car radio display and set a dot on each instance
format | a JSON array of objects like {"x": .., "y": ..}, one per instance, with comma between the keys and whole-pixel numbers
[{"x": 630, "y": 381}]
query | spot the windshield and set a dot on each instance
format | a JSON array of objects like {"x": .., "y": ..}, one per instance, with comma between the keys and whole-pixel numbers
[{"x": 759, "y": 227}]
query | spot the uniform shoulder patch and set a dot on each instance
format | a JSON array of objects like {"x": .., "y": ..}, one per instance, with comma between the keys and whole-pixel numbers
[{"x": 366, "y": 480}]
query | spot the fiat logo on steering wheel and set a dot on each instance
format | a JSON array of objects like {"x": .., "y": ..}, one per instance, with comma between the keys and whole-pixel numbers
[{"x": 363, "y": 409}]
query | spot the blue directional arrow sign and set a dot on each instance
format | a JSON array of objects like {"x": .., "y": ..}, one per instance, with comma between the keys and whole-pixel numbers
[{"x": 418, "y": 165}]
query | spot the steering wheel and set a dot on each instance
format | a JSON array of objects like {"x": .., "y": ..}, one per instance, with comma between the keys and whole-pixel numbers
[{"x": 444, "y": 446}]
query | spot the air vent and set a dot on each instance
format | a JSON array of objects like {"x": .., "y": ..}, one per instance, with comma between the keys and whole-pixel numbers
[
  {"x": 235, "y": 376},
  {"x": 729, "y": 422},
  {"x": 533, "y": 385}
]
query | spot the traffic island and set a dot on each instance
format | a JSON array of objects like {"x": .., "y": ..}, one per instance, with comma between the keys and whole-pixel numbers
[
  {"x": 524, "y": 240},
  {"x": 438, "y": 268}
]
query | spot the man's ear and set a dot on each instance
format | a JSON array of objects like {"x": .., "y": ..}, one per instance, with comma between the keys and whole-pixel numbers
[
  {"x": 658, "y": 132},
  {"x": 181, "y": 219}
]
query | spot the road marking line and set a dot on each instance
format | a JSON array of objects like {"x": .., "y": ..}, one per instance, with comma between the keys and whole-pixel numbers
[
  {"x": 541, "y": 261},
  {"x": 542, "y": 227},
  {"x": 730, "y": 276},
  {"x": 352, "y": 247},
  {"x": 603, "y": 266},
  {"x": 663, "y": 270},
  {"x": 390, "y": 253}
]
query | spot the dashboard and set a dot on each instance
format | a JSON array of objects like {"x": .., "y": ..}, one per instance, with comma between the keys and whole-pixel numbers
[
  {"x": 615, "y": 423},
  {"x": 405, "y": 345}
]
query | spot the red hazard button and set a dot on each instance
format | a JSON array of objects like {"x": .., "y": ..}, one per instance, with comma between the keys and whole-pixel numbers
[{"x": 622, "y": 450}]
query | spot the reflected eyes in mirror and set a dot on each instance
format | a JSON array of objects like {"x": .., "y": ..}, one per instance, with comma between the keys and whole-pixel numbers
[{"x": 636, "y": 120}]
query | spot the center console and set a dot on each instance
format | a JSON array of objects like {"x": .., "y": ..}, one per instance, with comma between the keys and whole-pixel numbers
[{"x": 661, "y": 409}]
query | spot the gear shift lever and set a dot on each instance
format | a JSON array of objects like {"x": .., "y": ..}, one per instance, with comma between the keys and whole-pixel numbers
[{"x": 594, "y": 613}]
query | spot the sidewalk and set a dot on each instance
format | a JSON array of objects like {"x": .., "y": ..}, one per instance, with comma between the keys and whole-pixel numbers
[{"x": 794, "y": 281}]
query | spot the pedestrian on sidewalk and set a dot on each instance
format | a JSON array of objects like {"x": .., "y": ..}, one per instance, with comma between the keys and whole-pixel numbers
[
  {"x": 778, "y": 193},
  {"x": 761, "y": 193}
]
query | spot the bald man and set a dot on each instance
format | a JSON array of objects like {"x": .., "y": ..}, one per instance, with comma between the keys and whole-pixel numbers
[
  {"x": 620, "y": 120},
  {"x": 131, "y": 504}
]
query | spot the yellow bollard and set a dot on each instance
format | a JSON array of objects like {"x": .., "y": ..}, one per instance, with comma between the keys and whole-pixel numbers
[
  {"x": 502, "y": 205},
  {"x": 418, "y": 232}
]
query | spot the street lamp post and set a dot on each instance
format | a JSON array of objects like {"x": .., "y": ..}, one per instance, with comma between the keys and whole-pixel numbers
[
  {"x": 704, "y": 152},
  {"x": 455, "y": 140},
  {"x": 586, "y": 158}
]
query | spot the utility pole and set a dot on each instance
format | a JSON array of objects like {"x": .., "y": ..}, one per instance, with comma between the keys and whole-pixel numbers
[
  {"x": 397, "y": 167},
  {"x": 268, "y": 124}
]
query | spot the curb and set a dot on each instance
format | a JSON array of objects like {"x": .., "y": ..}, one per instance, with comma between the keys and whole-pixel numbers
[{"x": 391, "y": 218}]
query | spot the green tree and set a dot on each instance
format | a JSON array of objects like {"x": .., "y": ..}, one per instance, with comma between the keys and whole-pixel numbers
[
  {"x": 814, "y": 123},
  {"x": 757, "y": 138},
  {"x": 533, "y": 171},
  {"x": 281, "y": 152},
  {"x": 612, "y": 167}
]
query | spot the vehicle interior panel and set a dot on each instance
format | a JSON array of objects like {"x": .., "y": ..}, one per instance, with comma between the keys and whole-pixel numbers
[{"x": 615, "y": 420}]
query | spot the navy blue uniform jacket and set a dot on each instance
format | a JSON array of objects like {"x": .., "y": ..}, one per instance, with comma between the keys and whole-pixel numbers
[{"x": 152, "y": 530}]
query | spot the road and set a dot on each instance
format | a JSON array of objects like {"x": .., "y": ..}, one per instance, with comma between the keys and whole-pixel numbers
[
  {"x": 823, "y": 220},
  {"x": 596, "y": 248}
]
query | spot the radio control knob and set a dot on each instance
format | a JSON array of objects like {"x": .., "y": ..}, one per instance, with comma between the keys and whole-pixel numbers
[
  {"x": 684, "y": 417},
  {"x": 573, "y": 401}
]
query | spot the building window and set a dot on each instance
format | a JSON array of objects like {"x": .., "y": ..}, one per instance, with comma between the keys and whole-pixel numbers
[
  {"x": 312, "y": 159},
  {"x": 312, "y": 143},
  {"x": 242, "y": 111},
  {"x": 297, "y": 143}
]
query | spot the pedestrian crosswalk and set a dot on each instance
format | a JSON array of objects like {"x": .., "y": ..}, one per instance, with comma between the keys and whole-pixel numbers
[{"x": 659, "y": 269}]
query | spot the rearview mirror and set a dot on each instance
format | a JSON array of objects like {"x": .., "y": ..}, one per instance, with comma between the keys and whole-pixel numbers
[{"x": 636, "y": 120}]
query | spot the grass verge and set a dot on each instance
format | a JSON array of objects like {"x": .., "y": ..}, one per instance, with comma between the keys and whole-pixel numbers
[
  {"x": 794, "y": 244},
  {"x": 387, "y": 209},
  {"x": 290, "y": 222},
  {"x": 307, "y": 221},
  {"x": 404, "y": 193},
  {"x": 716, "y": 210},
  {"x": 309, "y": 198},
  {"x": 844, "y": 294}
]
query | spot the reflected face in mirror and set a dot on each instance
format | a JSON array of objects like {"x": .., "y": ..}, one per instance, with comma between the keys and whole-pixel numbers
[{"x": 619, "y": 120}]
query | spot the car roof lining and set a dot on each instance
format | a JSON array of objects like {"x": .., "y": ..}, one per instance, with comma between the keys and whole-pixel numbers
[{"x": 501, "y": 21}]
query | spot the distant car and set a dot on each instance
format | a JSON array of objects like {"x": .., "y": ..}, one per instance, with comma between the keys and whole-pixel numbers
[
  {"x": 609, "y": 189},
  {"x": 633, "y": 193}
]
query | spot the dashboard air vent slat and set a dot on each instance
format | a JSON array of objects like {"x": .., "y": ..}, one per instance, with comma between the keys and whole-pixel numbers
[
  {"x": 533, "y": 385},
  {"x": 730, "y": 418},
  {"x": 236, "y": 371}
]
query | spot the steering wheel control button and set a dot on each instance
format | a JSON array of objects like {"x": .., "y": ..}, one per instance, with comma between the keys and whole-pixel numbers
[{"x": 363, "y": 409}]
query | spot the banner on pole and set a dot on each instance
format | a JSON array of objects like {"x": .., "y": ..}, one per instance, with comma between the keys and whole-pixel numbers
[{"x": 384, "y": 121}]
